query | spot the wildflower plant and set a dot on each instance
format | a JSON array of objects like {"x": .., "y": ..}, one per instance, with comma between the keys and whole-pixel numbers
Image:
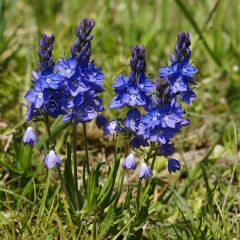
[{"x": 69, "y": 88}]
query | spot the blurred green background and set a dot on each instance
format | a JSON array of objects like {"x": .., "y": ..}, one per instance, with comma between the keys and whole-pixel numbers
[{"x": 213, "y": 134}]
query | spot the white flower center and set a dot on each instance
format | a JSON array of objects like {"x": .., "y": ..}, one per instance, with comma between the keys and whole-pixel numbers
[
  {"x": 133, "y": 97},
  {"x": 166, "y": 118},
  {"x": 113, "y": 125},
  {"x": 68, "y": 70},
  {"x": 176, "y": 84},
  {"x": 40, "y": 94},
  {"x": 154, "y": 118},
  {"x": 132, "y": 122},
  {"x": 48, "y": 80}
]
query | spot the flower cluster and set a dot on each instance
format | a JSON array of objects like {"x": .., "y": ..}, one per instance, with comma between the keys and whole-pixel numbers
[
  {"x": 132, "y": 90},
  {"x": 164, "y": 115},
  {"x": 69, "y": 87}
]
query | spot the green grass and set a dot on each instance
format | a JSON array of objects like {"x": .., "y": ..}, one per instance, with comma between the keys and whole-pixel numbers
[{"x": 204, "y": 198}]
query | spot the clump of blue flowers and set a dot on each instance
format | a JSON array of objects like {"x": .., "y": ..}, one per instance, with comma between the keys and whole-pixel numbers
[
  {"x": 69, "y": 89},
  {"x": 163, "y": 114}
]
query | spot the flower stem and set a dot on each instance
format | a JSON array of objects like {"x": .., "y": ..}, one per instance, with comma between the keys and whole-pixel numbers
[
  {"x": 51, "y": 142},
  {"x": 138, "y": 193},
  {"x": 74, "y": 129},
  {"x": 64, "y": 187},
  {"x": 86, "y": 146}
]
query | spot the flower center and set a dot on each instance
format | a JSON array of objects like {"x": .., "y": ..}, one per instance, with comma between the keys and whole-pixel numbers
[
  {"x": 159, "y": 132},
  {"x": 75, "y": 83},
  {"x": 68, "y": 70},
  {"x": 176, "y": 84},
  {"x": 154, "y": 118},
  {"x": 166, "y": 118},
  {"x": 48, "y": 80},
  {"x": 113, "y": 125},
  {"x": 40, "y": 94},
  {"x": 132, "y": 122},
  {"x": 133, "y": 97}
]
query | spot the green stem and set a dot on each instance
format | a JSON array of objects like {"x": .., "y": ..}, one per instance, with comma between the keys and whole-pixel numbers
[
  {"x": 138, "y": 193},
  {"x": 64, "y": 188},
  {"x": 126, "y": 145},
  {"x": 120, "y": 187},
  {"x": 75, "y": 152},
  {"x": 51, "y": 142},
  {"x": 86, "y": 146},
  {"x": 153, "y": 160}
]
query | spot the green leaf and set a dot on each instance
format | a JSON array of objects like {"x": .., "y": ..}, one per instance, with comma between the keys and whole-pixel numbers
[
  {"x": 75, "y": 197},
  {"x": 105, "y": 195},
  {"x": 141, "y": 216},
  {"x": 107, "y": 223}
]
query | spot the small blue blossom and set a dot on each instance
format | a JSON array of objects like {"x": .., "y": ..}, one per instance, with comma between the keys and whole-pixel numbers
[
  {"x": 173, "y": 165},
  {"x": 139, "y": 141},
  {"x": 112, "y": 127},
  {"x": 101, "y": 121},
  {"x": 145, "y": 172},
  {"x": 52, "y": 159},
  {"x": 48, "y": 79},
  {"x": 129, "y": 162},
  {"x": 167, "y": 149},
  {"x": 29, "y": 137},
  {"x": 66, "y": 68},
  {"x": 133, "y": 119},
  {"x": 37, "y": 96}
]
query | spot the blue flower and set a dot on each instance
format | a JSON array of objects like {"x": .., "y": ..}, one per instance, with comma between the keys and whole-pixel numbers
[
  {"x": 94, "y": 77},
  {"x": 52, "y": 159},
  {"x": 159, "y": 134},
  {"x": 167, "y": 149},
  {"x": 152, "y": 118},
  {"x": 29, "y": 137},
  {"x": 77, "y": 86},
  {"x": 173, "y": 165},
  {"x": 145, "y": 172},
  {"x": 101, "y": 121},
  {"x": 48, "y": 79},
  {"x": 54, "y": 108},
  {"x": 32, "y": 112},
  {"x": 112, "y": 127},
  {"x": 66, "y": 68},
  {"x": 139, "y": 141},
  {"x": 133, "y": 119},
  {"x": 129, "y": 162},
  {"x": 37, "y": 96}
]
